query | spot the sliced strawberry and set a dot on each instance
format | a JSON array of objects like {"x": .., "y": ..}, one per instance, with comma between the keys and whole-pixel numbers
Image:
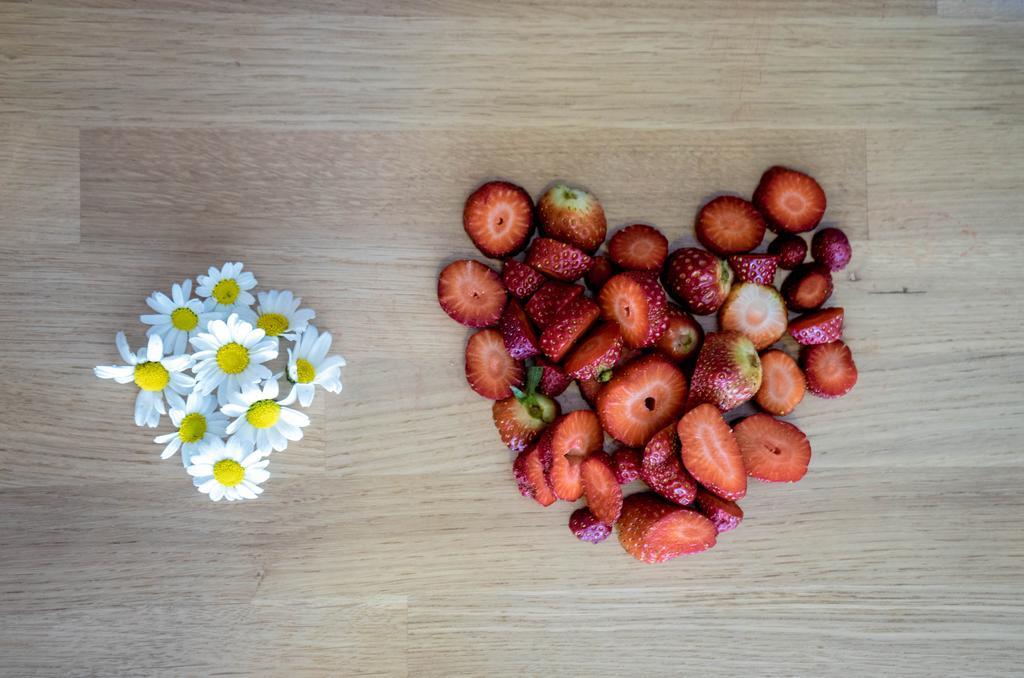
[
  {"x": 626, "y": 463},
  {"x": 553, "y": 380},
  {"x": 639, "y": 248},
  {"x": 791, "y": 201},
  {"x": 572, "y": 216},
  {"x": 520, "y": 339},
  {"x": 820, "y": 327},
  {"x": 754, "y": 268},
  {"x": 807, "y": 287},
  {"x": 773, "y": 450},
  {"x": 574, "y": 437},
  {"x": 589, "y": 388},
  {"x": 683, "y": 337},
  {"x": 663, "y": 471},
  {"x": 588, "y": 527},
  {"x": 521, "y": 418},
  {"x": 490, "y": 370},
  {"x": 529, "y": 472},
  {"x": 638, "y": 304},
  {"x": 520, "y": 280},
  {"x": 471, "y": 293},
  {"x": 604, "y": 497},
  {"x": 710, "y": 452},
  {"x": 791, "y": 250},
  {"x": 726, "y": 515},
  {"x": 570, "y": 324},
  {"x": 653, "y": 530},
  {"x": 782, "y": 383},
  {"x": 643, "y": 397},
  {"x": 599, "y": 272},
  {"x": 558, "y": 260},
  {"x": 546, "y": 302},
  {"x": 729, "y": 225},
  {"x": 498, "y": 218},
  {"x": 597, "y": 352},
  {"x": 829, "y": 369},
  {"x": 756, "y": 311}
]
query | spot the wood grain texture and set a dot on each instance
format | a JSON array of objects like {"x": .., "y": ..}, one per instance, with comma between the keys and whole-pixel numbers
[{"x": 330, "y": 145}]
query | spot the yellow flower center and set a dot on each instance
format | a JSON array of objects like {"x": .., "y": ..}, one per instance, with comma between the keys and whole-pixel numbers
[
  {"x": 193, "y": 428},
  {"x": 233, "y": 358},
  {"x": 228, "y": 472},
  {"x": 151, "y": 376},
  {"x": 184, "y": 319},
  {"x": 263, "y": 413},
  {"x": 304, "y": 371},
  {"x": 226, "y": 291},
  {"x": 272, "y": 323}
]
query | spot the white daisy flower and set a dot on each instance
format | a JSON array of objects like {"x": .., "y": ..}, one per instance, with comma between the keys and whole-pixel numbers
[
  {"x": 309, "y": 365},
  {"x": 228, "y": 287},
  {"x": 198, "y": 422},
  {"x": 262, "y": 420},
  {"x": 156, "y": 376},
  {"x": 230, "y": 357},
  {"x": 178, "y": 317},
  {"x": 228, "y": 471},
  {"x": 278, "y": 314}
]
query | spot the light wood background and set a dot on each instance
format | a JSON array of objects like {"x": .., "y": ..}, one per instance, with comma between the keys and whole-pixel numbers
[{"x": 330, "y": 146}]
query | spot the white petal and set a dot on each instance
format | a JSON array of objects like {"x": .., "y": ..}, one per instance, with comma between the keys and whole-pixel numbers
[
  {"x": 165, "y": 438},
  {"x": 155, "y": 350},
  {"x": 251, "y": 458},
  {"x": 221, "y": 332},
  {"x": 244, "y": 298},
  {"x": 122, "y": 374},
  {"x": 217, "y": 492},
  {"x": 320, "y": 348},
  {"x": 122, "y": 348},
  {"x": 171, "y": 448},
  {"x": 143, "y": 404},
  {"x": 244, "y": 492},
  {"x": 177, "y": 363},
  {"x": 294, "y": 417},
  {"x": 233, "y": 427},
  {"x": 257, "y": 475},
  {"x": 179, "y": 343},
  {"x": 233, "y": 410},
  {"x": 289, "y": 431},
  {"x": 203, "y": 342},
  {"x": 154, "y": 319},
  {"x": 270, "y": 390},
  {"x": 208, "y": 485},
  {"x": 292, "y": 395},
  {"x": 330, "y": 362},
  {"x": 277, "y": 439},
  {"x": 306, "y": 394}
]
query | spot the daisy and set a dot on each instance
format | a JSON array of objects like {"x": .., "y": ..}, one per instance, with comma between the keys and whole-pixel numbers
[
  {"x": 178, "y": 317},
  {"x": 228, "y": 471},
  {"x": 278, "y": 314},
  {"x": 228, "y": 287},
  {"x": 262, "y": 420},
  {"x": 230, "y": 356},
  {"x": 156, "y": 376},
  {"x": 198, "y": 424},
  {"x": 309, "y": 366}
]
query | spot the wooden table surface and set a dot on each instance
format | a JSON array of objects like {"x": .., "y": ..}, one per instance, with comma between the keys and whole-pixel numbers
[{"x": 330, "y": 146}]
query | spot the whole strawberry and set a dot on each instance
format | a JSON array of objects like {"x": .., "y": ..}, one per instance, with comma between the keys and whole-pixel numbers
[
  {"x": 791, "y": 250},
  {"x": 573, "y": 216},
  {"x": 697, "y": 279},
  {"x": 521, "y": 418},
  {"x": 586, "y": 526},
  {"x": 831, "y": 247},
  {"x": 728, "y": 371}
]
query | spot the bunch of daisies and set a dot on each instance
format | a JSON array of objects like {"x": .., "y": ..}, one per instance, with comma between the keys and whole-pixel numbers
[{"x": 228, "y": 413}]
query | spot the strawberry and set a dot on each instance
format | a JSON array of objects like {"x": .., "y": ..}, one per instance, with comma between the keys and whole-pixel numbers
[
  {"x": 626, "y": 463},
  {"x": 728, "y": 371},
  {"x": 520, "y": 280},
  {"x": 597, "y": 353},
  {"x": 521, "y": 418},
  {"x": 729, "y": 225},
  {"x": 604, "y": 497},
  {"x": 782, "y": 383},
  {"x": 586, "y": 526},
  {"x": 574, "y": 437},
  {"x": 572, "y": 216},
  {"x": 754, "y": 268},
  {"x": 662, "y": 469},
  {"x": 569, "y": 325},
  {"x": 553, "y": 380},
  {"x": 471, "y": 293},
  {"x": 773, "y": 450},
  {"x": 831, "y": 248},
  {"x": 820, "y": 327},
  {"x": 710, "y": 452},
  {"x": 528, "y": 469},
  {"x": 642, "y": 398},
  {"x": 599, "y": 272},
  {"x": 638, "y": 248},
  {"x": 829, "y": 369},
  {"x": 807, "y": 287},
  {"x": 558, "y": 260},
  {"x": 490, "y": 370},
  {"x": 697, "y": 279},
  {"x": 791, "y": 201},
  {"x": 520, "y": 340},
  {"x": 546, "y": 302},
  {"x": 726, "y": 515},
  {"x": 637, "y": 303},
  {"x": 589, "y": 388},
  {"x": 790, "y": 249},
  {"x": 755, "y": 310},
  {"x": 653, "y": 530},
  {"x": 498, "y": 218},
  {"x": 682, "y": 338}
]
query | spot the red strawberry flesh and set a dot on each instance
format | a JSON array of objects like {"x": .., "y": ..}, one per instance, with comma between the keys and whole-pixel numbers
[
  {"x": 773, "y": 450},
  {"x": 498, "y": 218},
  {"x": 710, "y": 452},
  {"x": 653, "y": 530},
  {"x": 729, "y": 225},
  {"x": 471, "y": 293}
]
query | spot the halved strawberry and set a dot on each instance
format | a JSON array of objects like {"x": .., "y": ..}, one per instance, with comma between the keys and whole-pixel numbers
[
  {"x": 662, "y": 469},
  {"x": 682, "y": 337},
  {"x": 604, "y": 497},
  {"x": 697, "y": 279},
  {"x": 626, "y": 463},
  {"x": 807, "y": 287},
  {"x": 820, "y": 327},
  {"x": 570, "y": 324},
  {"x": 791, "y": 201},
  {"x": 546, "y": 302},
  {"x": 729, "y": 225},
  {"x": 754, "y": 268},
  {"x": 791, "y": 250},
  {"x": 755, "y": 310},
  {"x": 829, "y": 369},
  {"x": 638, "y": 304},
  {"x": 639, "y": 248},
  {"x": 652, "y": 530},
  {"x": 598, "y": 352},
  {"x": 599, "y": 272},
  {"x": 642, "y": 398},
  {"x": 588, "y": 527},
  {"x": 710, "y": 452},
  {"x": 528, "y": 469},
  {"x": 471, "y": 293},
  {"x": 574, "y": 437},
  {"x": 521, "y": 418},
  {"x": 498, "y": 218},
  {"x": 773, "y": 450},
  {"x": 520, "y": 280},
  {"x": 726, "y": 515},
  {"x": 520, "y": 339},
  {"x": 572, "y": 216},
  {"x": 782, "y": 383},
  {"x": 553, "y": 380},
  {"x": 558, "y": 260},
  {"x": 490, "y": 370}
]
